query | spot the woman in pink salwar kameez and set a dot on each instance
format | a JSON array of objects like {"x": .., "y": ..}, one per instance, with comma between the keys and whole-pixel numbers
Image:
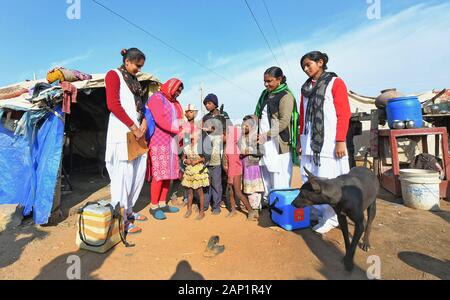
[{"x": 163, "y": 149}]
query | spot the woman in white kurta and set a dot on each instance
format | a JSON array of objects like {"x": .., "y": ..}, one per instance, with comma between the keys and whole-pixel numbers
[
  {"x": 324, "y": 121},
  {"x": 124, "y": 100}
]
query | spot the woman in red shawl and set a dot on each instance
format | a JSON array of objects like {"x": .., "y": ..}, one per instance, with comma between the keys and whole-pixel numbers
[{"x": 163, "y": 155}]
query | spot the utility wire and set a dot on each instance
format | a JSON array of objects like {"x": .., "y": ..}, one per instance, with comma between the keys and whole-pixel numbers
[
  {"x": 277, "y": 35},
  {"x": 262, "y": 33},
  {"x": 173, "y": 48}
]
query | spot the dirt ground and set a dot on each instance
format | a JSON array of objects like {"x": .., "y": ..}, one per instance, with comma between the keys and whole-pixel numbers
[{"x": 411, "y": 244}]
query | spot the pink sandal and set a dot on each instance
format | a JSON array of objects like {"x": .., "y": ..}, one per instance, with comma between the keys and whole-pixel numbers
[
  {"x": 132, "y": 229},
  {"x": 137, "y": 217}
]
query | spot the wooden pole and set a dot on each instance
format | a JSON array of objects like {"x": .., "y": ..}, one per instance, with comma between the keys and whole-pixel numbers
[{"x": 201, "y": 100}]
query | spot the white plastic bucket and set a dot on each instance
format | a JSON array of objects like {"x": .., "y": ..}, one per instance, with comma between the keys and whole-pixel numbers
[{"x": 420, "y": 188}]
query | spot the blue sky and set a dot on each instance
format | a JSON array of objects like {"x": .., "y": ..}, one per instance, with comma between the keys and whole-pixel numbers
[{"x": 407, "y": 48}]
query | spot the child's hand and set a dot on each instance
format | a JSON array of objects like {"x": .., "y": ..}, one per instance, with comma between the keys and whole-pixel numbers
[
  {"x": 187, "y": 162},
  {"x": 208, "y": 129},
  {"x": 225, "y": 164},
  {"x": 197, "y": 161},
  {"x": 262, "y": 139}
]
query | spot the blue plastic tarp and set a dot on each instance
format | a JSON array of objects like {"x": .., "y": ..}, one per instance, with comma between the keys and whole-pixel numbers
[{"x": 30, "y": 161}]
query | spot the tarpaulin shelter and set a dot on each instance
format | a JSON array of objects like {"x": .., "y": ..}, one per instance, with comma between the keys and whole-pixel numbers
[{"x": 33, "y": 132}]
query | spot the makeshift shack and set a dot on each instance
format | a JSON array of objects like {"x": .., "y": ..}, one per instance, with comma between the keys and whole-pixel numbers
[{"x": 35, "y": 133}]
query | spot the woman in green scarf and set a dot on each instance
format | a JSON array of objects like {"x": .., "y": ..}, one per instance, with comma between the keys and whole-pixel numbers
[{"x": 278, "y": 128}]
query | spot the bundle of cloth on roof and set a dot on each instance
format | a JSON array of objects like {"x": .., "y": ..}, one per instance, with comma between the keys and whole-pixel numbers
[
  {"x": 62, "y": 74},
  {"x": 44, "y": 95},
  {"x": 12, "y": 92}
]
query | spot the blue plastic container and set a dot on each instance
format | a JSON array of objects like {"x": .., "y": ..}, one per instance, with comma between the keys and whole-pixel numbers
[
  {"x": 404, "y": 109},
  {"x": 284, "y": 214}
]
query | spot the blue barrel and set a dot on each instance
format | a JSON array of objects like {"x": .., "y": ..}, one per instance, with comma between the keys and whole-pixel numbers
[{"x": 404, "y": 109}]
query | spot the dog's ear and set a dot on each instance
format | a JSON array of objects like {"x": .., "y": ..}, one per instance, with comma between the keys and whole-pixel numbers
[
  {"x": 315, "y": 184},
  {"x": 308, "y": 173}
]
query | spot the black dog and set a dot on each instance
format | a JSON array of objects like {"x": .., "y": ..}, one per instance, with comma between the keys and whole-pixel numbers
[{"x": 349, "y": 195}]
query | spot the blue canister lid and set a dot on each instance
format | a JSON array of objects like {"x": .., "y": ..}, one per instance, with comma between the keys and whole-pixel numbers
[{"x": 404, "y": 98}]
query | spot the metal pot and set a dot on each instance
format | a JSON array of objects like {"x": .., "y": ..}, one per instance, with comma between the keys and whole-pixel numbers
[
  {"x": 382, "y": 100},
  {"x": 435, "y": 109},
  {"x": 410, "y": 124},
  {"x": 398, "y": 125}
]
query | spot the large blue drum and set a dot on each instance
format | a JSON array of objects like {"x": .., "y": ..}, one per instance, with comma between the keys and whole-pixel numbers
[{"x": 404, "y": 109}]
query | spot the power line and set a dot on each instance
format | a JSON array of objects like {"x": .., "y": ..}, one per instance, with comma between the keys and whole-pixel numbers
[
  {"x": 277, "y": 35},
  {"x": 262, "y": 33},
  {"x": 173, "y": 48}
]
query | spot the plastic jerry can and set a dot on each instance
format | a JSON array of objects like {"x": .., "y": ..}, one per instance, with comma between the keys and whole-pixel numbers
[{"x": 284, "y": 214}]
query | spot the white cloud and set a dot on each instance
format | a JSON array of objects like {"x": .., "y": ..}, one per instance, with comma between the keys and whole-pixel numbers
[
  {"x": 220, "y": 62},
  {"x": 408, "y": 50},
  {"x": 71, "y": 60}
]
